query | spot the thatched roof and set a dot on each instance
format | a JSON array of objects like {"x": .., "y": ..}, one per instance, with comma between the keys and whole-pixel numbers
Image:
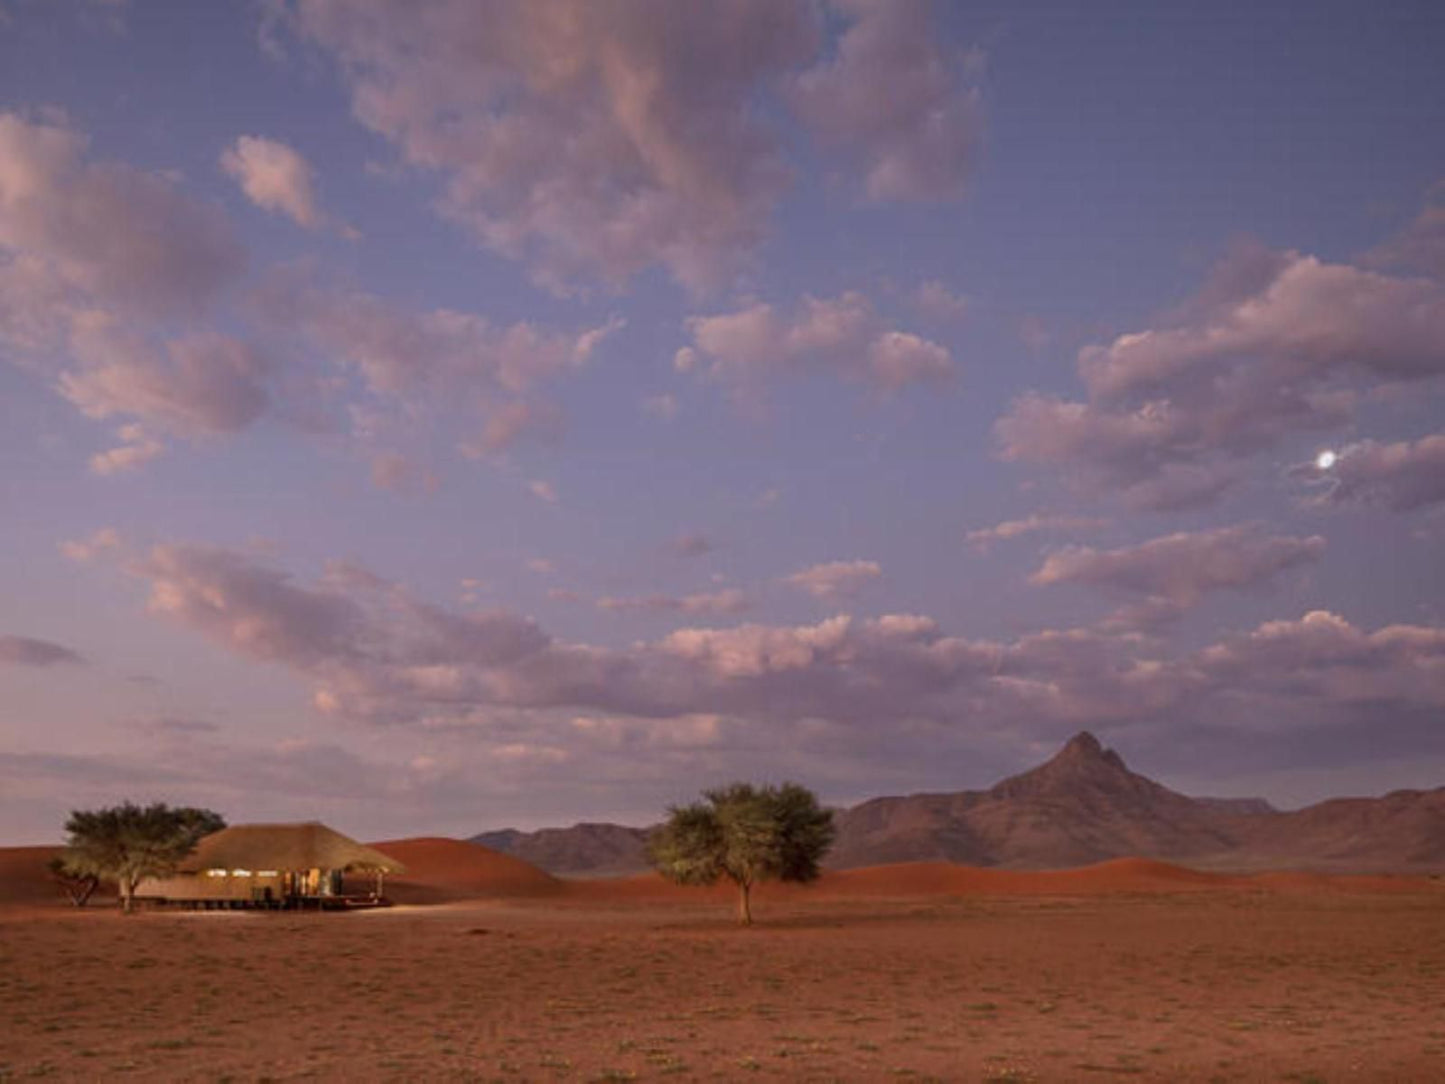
[{"x": 285, "y": 846}]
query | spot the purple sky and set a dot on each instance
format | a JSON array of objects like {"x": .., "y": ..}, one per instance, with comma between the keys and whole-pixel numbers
[{"x": 431, "y": 417}]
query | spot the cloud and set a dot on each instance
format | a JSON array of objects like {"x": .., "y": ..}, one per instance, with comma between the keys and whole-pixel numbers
[
  {"x": 1169, "y": 575},
  {"x": 543, "y": 490},
  {"x": 1277, "y": 343},
  {"x": 584, "y": 139},
  {"x": 936, "y": 301},
  {"x": 984, "y": 537},
  {"x": 728, "y": 601},
  {"x": 276, "y": 177},
  {"x": 1323, "y": 663},
  {"x": 896, "y": 102},
  {"x": 254, "y": 610},
  {"x": 103, "y": 232},
  {"x": 595, "y": 141},
  {"x": 399, "y": 474},
  {"x": 25, "y": 651},
  {"x": 1420, "y": 246},
  {"x": 136, "y": 449},
  {"x": 400, "y": 351},
  {"x": 844, "y": 335},
  {"x": 102, "y": 267},
  {"x": 199, "y": 384},
  {"x": 835, "y": 580},
  {"x": 1402, "y": 477},
  {"x": 893, "y": 689},
  {"x": 691, "y": 544},
  {"x": 87, "y": 549},
  {"x": 505, "y": 425},
  {"x": 441, "y": 359},
  {"x": 662, "y": 406},
  {"x": 1308, "y": 320},
  {"x": 168, "y": 726}
]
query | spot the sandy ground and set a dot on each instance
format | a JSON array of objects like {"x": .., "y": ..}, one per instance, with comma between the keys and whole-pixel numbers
[{"x": 1145, "y": 976}]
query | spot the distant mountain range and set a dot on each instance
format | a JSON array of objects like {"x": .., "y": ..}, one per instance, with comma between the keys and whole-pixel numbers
[
  {"x": 595, "y": 850},
  {"x": 1082, "y": 806}
]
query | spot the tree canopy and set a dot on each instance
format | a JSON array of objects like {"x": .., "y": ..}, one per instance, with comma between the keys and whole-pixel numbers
[
  {"x": 128, "y": 843},
  {"x": 747, "y": 834}
]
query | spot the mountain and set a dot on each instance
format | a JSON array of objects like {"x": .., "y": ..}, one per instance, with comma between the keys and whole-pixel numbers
[
  {"x": 583, "y": 849},
  {"x": 1403, "y": 832},
  {"x": 1083, "y": 806}
]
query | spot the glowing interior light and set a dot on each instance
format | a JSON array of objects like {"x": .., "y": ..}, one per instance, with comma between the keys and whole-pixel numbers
[{"x": 1326, "y": 459}]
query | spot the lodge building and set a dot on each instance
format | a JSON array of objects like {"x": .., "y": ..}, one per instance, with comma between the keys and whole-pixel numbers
[{"x": 274, "y": 866}]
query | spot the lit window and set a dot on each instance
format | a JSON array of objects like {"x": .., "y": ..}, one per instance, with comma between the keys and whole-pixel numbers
[
  {"x": 240, "y": 873},
  {"x": 215, "y": 873},
  {"x": 268, "y": 873}
]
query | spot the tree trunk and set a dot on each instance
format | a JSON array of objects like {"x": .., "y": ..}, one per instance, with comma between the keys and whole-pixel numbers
[
  {"x": 83, "y": 890},
  {"x": 745, "y": 913},
  {"x": 127, "y": 894}
]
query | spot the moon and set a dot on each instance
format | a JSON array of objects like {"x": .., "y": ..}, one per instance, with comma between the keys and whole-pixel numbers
[{"x": 1326, "y": 459}]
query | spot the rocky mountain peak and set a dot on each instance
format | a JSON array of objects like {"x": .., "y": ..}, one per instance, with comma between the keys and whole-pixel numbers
[
  {"x": 1082, "y": 763},
  {"x": 1085, "y": 749}
]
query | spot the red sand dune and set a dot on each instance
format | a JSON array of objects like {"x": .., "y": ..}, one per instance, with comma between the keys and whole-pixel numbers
[
  {"x": 1120, "y": 875},
  {"x": 911, "y": 879},
  {"x": 24, "y": 877},
  {"x": 448, "y": 869},
  {"x": 442, "y": 870}
]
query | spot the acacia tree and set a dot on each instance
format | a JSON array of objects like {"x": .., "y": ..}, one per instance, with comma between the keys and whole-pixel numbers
[
  {"x": 128, "y": 843},
  {"x": 747, "y": 834},
  {"x": 78, "y": 886}
]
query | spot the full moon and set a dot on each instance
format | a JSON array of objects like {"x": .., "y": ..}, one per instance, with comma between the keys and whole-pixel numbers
[{"x": 1325, "y": 460}]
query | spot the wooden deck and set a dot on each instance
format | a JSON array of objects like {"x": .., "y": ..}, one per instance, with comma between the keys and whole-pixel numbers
[{"x": 279, "y": 903}]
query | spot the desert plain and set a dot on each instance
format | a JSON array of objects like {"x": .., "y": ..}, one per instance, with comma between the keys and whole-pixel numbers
[{"x": 487, "y": 969}]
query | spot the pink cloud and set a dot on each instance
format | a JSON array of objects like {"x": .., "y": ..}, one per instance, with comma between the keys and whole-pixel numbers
[
  {"x": 598, "y": 140},
  {"x": 1276, "y": 344},
  {"x": 505, "y": 425},
  {"x": 1420, "y": 246},
  {"x": 835, "y": 580},
  {"x": 727, "y": 601},
  {"x": 437, "y": 360},
  {"x": 136, "y": 449},
  {"x": 895, "y": 101},
  {"x": 401, "y": 474},
  {"x": 277, "y": 177},
  {"x": 662, "y": 406},
  {"x": 583, "y": 139},
  {"x": 82, "y": 550},
  {"x": 400, "y": 351},
  {"x": 1310, "y": 320},
  {"x": 984, "y": 537},
  {"x": 372, "y": 652},
  {"x": 203, "y": 383},
  {"x": 27, "y": 651},
  {"x": 844, "y": 334},
  {"x": 936, "y": 301},
  {"x": 254, "y": 610},
  {"x": 1170, "y": 575},
  {"x": 692, "y": 544},
  {"x": 1402, "y": 476},
  {"x": 116, "y": 235}
]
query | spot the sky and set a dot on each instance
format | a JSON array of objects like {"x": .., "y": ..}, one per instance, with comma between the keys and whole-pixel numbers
[{"x": 430, "y": 417}]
